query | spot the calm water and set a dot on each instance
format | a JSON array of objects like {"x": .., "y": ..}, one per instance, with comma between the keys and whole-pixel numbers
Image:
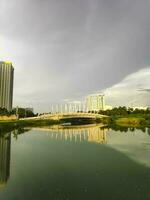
[{"x": 79, "y": 163}]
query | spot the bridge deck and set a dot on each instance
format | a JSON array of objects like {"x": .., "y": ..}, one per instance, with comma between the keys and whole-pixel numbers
[{"x": 58, "y": 116}]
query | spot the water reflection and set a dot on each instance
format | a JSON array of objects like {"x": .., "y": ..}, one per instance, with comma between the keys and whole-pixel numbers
[
  {"x": 76, "y": 134},
  {"x": 5, "y": 154},
  {"x": 132, "y": 129},
  {"x": 5, "y": 146},
  {"x": 94, "y": 134},
  {"x": 88, "y": 133},
  {"x": 70, "y": 163}
]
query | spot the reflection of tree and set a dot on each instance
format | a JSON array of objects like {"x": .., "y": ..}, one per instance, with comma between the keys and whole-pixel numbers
[
  {"x": 115, "y": 127},
  {"x": 5, "y": 145},
  {"x": 132, "y": 129},
  {"x": 143, "y": 129},
  {"x": 6, "y": 128},
  {"x": 148, "y": 131},
  {"x": 118, "y": 128},
  {"x": 19, "y": 131}
]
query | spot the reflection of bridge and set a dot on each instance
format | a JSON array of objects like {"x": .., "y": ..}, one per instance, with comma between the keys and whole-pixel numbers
[
  {"x": 74, "y": 115},
  {"x": 94, "y": 134}
]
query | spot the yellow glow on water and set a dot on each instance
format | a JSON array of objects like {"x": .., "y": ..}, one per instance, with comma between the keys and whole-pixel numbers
[{"x": 2, "y": 185}]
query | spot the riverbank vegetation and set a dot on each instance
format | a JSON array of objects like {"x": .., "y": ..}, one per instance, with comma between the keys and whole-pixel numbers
[
  {"x": 124, "y": 111},
  {"x": 130, "y": 120},
  {"x": 120, "y": 116},
  {"x": 20, "y": 112},
  {"x": 127, "y": 116}
]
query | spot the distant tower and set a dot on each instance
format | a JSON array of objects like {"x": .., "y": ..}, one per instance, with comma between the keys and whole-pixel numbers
[
  {"x": 6, "y": 85},
  {"x": 95, "y": 102}
]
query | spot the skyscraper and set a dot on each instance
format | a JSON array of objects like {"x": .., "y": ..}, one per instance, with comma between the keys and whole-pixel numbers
[
  {"x": 6, "y": 85},
  {"x": 95, "y": 102}
]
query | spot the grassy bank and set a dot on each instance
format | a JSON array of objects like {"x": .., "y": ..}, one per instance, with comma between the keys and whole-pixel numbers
[
  {"x": 131, "y": 120},
  {"x": 127, "y": 120}
]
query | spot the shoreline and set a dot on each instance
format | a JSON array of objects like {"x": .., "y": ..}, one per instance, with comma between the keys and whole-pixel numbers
[
  {"x": 133, "y": 121},
  {"x": 123, "y": 121}
]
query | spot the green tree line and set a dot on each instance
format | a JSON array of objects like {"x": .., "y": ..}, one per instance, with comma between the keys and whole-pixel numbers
[
  {"x": 21, "y": 112},
  {"x": 123, "y": 111}
]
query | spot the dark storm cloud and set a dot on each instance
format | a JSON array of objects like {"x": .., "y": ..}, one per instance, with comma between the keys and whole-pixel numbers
[{"x": 68, "y": 48}]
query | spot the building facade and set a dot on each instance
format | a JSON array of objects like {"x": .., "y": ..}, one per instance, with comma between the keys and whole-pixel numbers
[
  {"x": 6, "y": 85},
  {"x": 95, "y": 102}
]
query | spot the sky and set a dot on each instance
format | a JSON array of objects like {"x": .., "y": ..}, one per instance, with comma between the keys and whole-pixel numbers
[{"x": 63, "y": 50}]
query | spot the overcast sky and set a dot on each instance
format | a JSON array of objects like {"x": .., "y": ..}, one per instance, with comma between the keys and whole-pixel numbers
[{"x": 66, "y": 49}]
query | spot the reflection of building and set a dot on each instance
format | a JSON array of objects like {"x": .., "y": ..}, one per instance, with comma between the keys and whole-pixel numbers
[
  {"x": 95, "y": 102},
  {"x": 97, "y": 135},
  {"x": 94, "y": 134},
  {"x": 5, "y": 145},
  {"x": 6, "y": 85}
]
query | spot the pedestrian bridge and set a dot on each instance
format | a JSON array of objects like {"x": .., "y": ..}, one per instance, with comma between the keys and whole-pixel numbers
[{"x": 60, "y": 116}]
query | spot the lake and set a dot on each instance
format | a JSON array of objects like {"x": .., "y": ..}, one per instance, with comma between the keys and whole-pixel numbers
[{"x": 89, "y": 162}]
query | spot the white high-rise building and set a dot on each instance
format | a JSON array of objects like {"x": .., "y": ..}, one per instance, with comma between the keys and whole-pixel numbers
[
  {"x": 6, "y": 85},
  {"x": 95, "y": 102}
]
